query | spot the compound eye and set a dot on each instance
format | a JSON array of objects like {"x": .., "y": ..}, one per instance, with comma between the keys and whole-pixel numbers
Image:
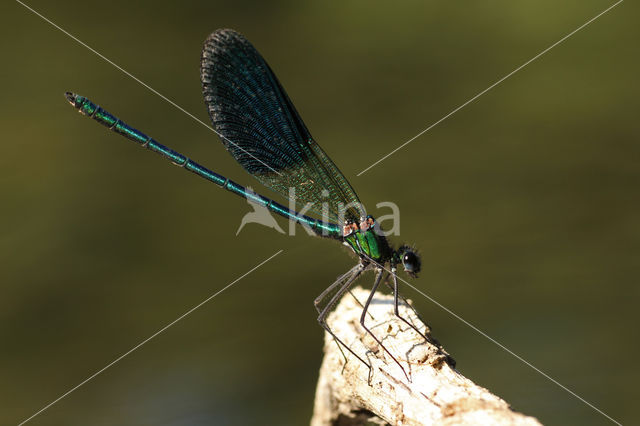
[{"x": 410, "y": 261}]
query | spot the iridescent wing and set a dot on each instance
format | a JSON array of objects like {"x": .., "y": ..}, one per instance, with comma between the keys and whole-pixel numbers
[{"x": 262, "y": 130}]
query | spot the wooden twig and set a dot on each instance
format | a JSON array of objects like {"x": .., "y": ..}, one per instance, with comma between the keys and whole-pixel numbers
[{"x": 348, "y": 394}]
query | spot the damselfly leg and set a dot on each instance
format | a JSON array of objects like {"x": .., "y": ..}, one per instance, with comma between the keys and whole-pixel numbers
[
  {"x": 427, "y": 338},
  {"x": 379, "y": 273},
  {"x": 327, "y": 291},
  {"x": 346, "y": 280},
  {"x": 396, "y": 295}
]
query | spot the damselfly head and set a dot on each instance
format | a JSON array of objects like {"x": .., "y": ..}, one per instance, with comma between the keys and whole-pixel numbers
[{"x": 410, "y": 260}]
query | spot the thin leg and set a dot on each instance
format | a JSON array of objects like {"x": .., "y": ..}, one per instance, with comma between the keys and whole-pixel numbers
[
  {"x": 396, "y": 295},
  {"x": 355, "y": 273},
  {"x": 364, "y": 315},
  {"x": 397, "y": 311},
  {"x": 359, "y": 303},
  {"x": 327, "y": 291}
]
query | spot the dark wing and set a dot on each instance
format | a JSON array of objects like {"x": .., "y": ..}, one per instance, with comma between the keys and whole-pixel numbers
[{"x": 262, "y": 130}]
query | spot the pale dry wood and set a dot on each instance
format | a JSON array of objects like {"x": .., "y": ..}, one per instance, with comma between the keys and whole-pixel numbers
[{"x": 436, "y": 394}]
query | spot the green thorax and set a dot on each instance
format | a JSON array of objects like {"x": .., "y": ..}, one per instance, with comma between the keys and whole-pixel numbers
[{"x": 369, "y": 243}]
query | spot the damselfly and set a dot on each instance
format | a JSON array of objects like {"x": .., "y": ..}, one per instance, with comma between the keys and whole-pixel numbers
[{"x": 262, "y": 130}]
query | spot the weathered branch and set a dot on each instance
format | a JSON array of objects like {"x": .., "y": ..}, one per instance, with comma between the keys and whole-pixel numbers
[{"x": 435, "y": 394}]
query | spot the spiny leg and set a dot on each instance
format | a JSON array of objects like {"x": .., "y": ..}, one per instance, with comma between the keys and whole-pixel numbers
[
  {"x": 360, "y": 303},
  {"x": 327, "y": 291},
  {"x": 396, "y": 294},
  {"x": 331, "y": 287},
  {"x": 364, "y": 314},
  {"x": 429, "y": 339},
  {"x": 323, "y": 315}
]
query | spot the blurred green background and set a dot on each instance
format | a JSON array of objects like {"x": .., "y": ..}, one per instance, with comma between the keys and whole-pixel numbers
[{"x": 524, "y": 205}]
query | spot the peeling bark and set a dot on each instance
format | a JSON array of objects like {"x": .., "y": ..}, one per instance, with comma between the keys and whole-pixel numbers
[{"x": 435, "y": 394}]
